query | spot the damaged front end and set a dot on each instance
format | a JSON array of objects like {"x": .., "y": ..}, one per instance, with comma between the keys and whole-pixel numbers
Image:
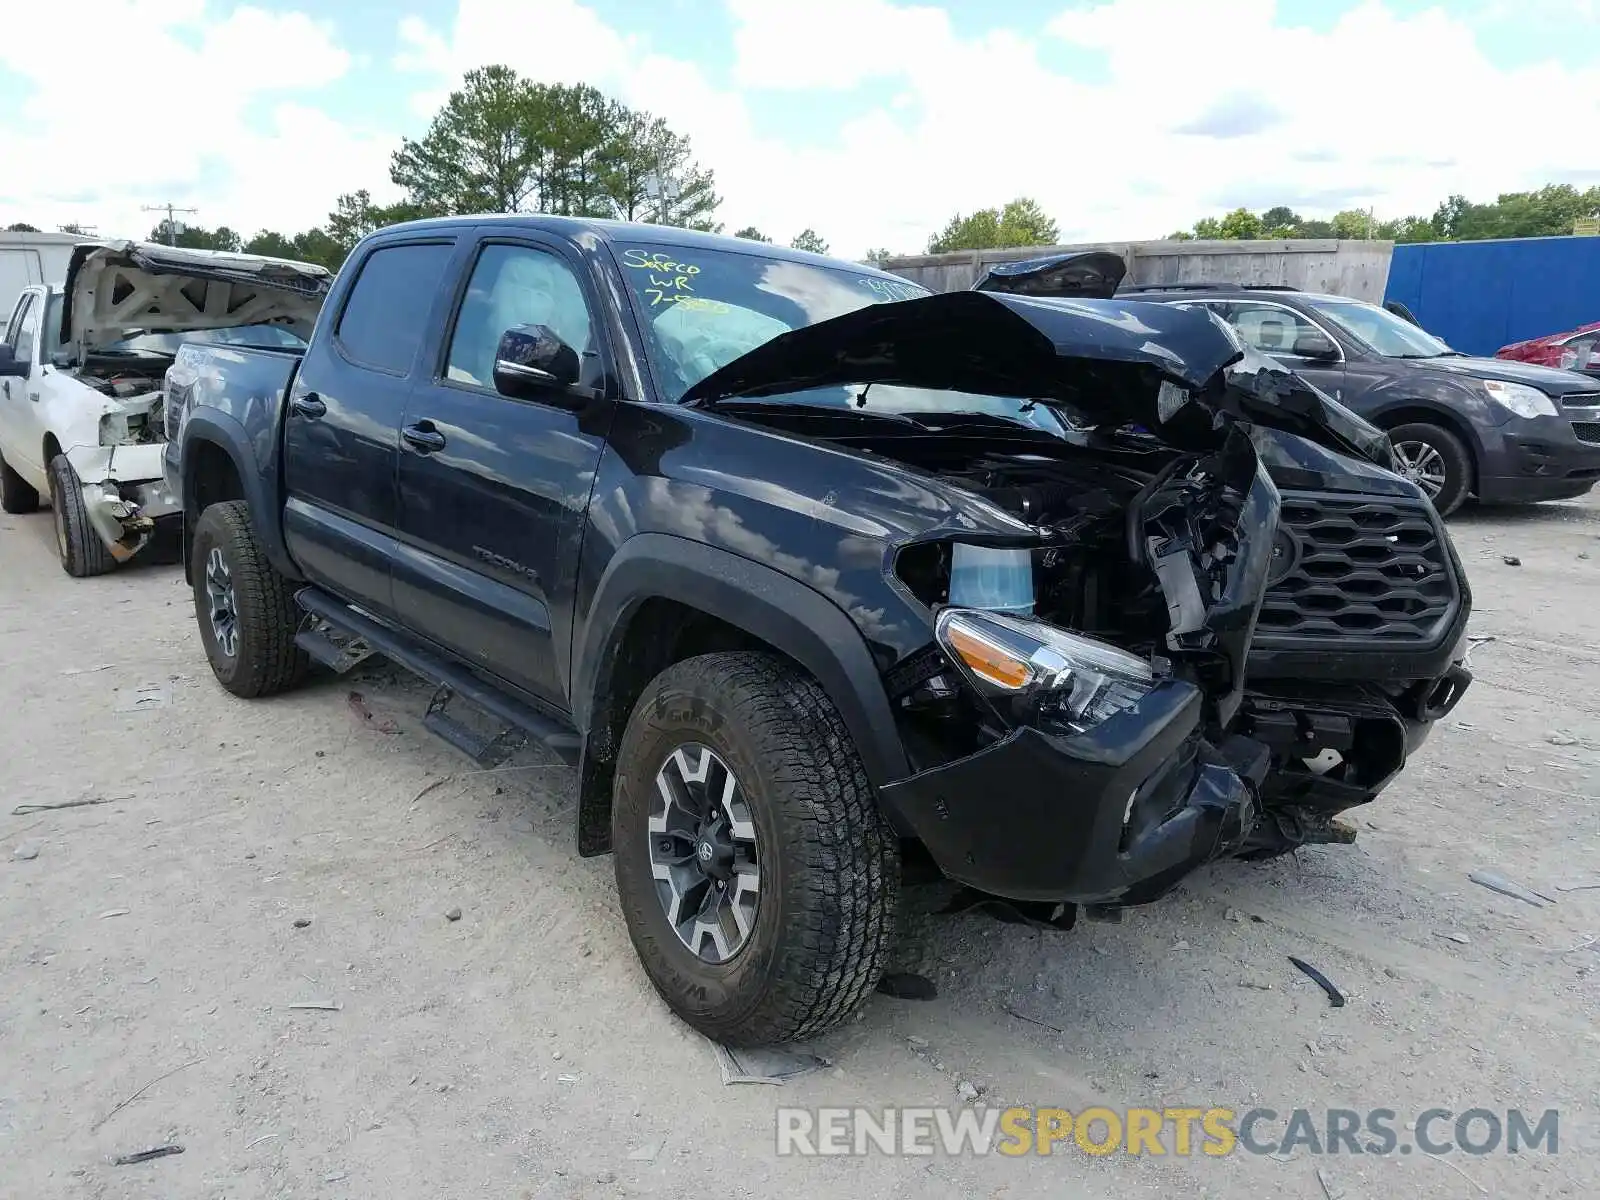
[
  {"x": 1073, "y": 719},
  {"x": 1095, "y": 708},
  {"x": 125, "y": 497}
]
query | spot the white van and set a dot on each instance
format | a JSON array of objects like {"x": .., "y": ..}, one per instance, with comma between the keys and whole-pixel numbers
[{"x": 32, "y": 258}]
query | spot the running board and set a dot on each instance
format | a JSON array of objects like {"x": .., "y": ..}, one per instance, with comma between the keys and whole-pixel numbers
[{"x": 451, "y": 682}]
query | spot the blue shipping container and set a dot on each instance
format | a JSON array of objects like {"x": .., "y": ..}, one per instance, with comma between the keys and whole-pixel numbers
[{"x": 1480, "y": 296}]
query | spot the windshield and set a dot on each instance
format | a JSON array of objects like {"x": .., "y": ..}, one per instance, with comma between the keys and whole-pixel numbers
[
  {"x": 703, "y": 308},
  {"x": 1380, "y": 330}
]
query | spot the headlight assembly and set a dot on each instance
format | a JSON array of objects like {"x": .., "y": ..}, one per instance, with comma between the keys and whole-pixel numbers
[
  {"x": 1521, "y": 399},
  {"x": 1040, "y": 675}
]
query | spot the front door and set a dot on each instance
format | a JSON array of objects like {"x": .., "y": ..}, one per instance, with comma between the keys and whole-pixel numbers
[
  {"x": 21, "y": 426},
  {"x": 494, "y": 490},
  {"x": 1290, "y": 337}
]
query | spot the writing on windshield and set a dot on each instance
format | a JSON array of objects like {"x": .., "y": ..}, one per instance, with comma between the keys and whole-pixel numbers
[{"x": 703, "y": 308}]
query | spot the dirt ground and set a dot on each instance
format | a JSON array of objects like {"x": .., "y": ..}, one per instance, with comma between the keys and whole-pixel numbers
[{"x": 519, "y": 1052}]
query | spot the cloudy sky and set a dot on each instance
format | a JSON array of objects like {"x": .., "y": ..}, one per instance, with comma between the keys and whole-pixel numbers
[{"x": 867, "y": 120}]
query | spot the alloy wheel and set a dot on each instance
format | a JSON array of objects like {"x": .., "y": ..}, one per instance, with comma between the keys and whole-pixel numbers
[
  {"x": 704, "y": 853},
  {"x": 1423, "y": 465},
  {"x": 224, "y": 612}
]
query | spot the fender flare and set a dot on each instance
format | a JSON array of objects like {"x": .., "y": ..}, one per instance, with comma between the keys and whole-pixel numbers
[
  {"x": 792, "y": 617},
  {"x": 225, "y": 432}
]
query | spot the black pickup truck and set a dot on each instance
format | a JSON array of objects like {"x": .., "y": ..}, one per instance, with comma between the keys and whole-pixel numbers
[{"x": 810, "y": 573}]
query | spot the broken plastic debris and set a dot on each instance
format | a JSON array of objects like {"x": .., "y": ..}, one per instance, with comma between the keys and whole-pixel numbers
[
  {"x": 144, "y": 697},
  {"x": 763, "y": 1065},
  {"x": 1499, "y": 883},
  {"x": 1335, "y": 996},
  {"x": 139, "y": 1156}
]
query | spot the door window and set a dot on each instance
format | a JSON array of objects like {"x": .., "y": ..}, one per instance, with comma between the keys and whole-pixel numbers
[
  {"x": 1274, "y": 330},
  {"x": 386, "y": 316},
  {"x": 25, "y": 330},
  {"x": 511, "y": 286}
]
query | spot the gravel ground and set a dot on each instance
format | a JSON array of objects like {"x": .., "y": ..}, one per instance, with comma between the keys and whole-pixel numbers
[{"x": 256, "y": 856}]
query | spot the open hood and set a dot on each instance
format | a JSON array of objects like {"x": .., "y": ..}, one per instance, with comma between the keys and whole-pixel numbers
[
  {"x": 116, "y": 289},
  {"x": 1178, "y": 374},
  {"x": 1091, "y": 274}
]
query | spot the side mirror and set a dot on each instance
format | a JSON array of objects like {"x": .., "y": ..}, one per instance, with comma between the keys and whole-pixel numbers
[
  {"x": 1315, "y": 344},
  {"x": 11, "y": 367},
  {"x": 532, "y": 361}
]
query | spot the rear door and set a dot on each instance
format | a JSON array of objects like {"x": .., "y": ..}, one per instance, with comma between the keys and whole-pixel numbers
[
  {"x": 342, "y": 422},
  {"x": 494, "y": 490}
]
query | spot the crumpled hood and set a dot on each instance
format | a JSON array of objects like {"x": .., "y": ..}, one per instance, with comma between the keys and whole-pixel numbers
[
  {"x": 1550, "y": 380},
  {"x": 1112, "y": 362},
  {"x": 114, "y": 289}
]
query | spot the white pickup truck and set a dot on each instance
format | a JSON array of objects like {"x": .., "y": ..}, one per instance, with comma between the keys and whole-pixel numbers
[{"x": 81, "y": 421}]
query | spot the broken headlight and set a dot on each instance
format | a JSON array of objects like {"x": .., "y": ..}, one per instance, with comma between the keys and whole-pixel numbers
[{"x": 1039, "y": 675}]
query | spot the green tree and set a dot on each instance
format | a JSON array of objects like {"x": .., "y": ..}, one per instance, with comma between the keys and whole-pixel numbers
[
  {"x": 809, "y": 239},
  {"x": 751, "y": 233},
  {"x": 1240, "y": 225},
  {"x": 879, "y": 256},
  {"x": 1280, "y": 217},
  {"x": 1352, "y": 223},
  {"x": 196, "y": 237},
  {"x": 1022, "y": 222},
  {"x": 21, "y": 227},
  {"x": 1316, "y": 228},
  {"x": 645, "y": 153},
  {"x": 1208, "y": 229},
  {"x": 504, "y": 144},
  {"x": 73, "y": 228}
]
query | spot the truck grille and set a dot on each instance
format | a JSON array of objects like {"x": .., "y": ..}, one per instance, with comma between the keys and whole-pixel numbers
[
  {"x": 1581, "y": 400},
  {"x": 1587, "y": 431},
  {"x": 1354, "y": 571}
]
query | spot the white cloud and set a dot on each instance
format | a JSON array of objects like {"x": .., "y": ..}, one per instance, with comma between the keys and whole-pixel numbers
[
  {"x": 171, "y": 100},
  {"x": 1384, "y": 109},
  {"x": 1197, "y": 108}
]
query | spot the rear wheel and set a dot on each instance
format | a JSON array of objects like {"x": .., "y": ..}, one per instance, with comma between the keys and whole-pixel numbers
[
  {"x": 82, "y": 551},
  {"x": 757, "y": 877},
  {"x": 1437, "y": 461},
  {"x": 16, "y": 495},
  {"x": 245, "y": 609}
]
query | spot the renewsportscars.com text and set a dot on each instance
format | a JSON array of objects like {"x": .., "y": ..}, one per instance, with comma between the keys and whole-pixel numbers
[{"x": 1179, "y": 1131}]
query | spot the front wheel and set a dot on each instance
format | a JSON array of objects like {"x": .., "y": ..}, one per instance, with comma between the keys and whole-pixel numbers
[
  {"x": 245, "y": 609},
  {"x": 756, "y": 874},
  {"x": 1437, "y": 461},
  {"x": 82, "y": 552}
]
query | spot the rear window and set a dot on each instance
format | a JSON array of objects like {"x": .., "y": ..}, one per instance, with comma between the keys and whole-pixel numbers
[{"x": 382, "y": 323}]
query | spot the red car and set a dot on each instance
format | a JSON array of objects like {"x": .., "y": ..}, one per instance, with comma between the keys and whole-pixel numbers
[{"x": 1576, "y": 350}]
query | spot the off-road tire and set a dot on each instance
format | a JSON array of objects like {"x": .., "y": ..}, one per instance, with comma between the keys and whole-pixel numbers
[
  {"x": 16, "y": 494},
  {"x": 1458, "y": 470},
  {"x": 267, "y": 661},
  {"x": 829, "y": 863},
  {"x": 81, "y": 550}
]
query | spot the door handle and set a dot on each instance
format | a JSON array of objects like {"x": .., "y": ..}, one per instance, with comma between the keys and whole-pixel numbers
[
  {"x": 309, "y": 405},
  {"x": 423, "y": 437}
]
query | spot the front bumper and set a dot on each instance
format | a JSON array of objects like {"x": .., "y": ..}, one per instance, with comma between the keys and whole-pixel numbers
[
  {"x": 1542, "y": 458},
  {"x": 125, "y": 494},
  {"x": 1117, "y": 815}
]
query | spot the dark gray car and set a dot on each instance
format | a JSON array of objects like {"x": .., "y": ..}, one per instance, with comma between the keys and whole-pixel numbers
[{"x": 1461, "y": 426}]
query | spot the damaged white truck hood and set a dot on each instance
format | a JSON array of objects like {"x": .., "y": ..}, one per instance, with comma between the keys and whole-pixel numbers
[{"x": 116, "y": 289}]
